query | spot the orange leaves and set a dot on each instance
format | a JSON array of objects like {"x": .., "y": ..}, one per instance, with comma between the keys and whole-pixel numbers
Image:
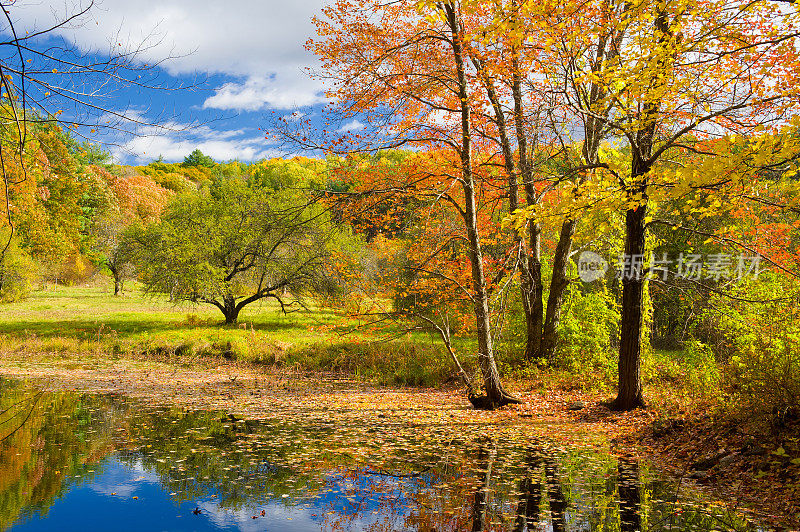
[{"x": 137, "y": 196}]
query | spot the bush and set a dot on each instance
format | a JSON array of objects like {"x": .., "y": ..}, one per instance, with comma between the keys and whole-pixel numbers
[
  {"x": 76, "y": 269},
  {"x": 663, "y": 367},
  {"x": 761, "y": 342},
  {"x": 17, "y": 273},
  {"x": 703, "y": 368},
  {"x": 765, "y": 376},
  {"x": 588, "y": 324}
]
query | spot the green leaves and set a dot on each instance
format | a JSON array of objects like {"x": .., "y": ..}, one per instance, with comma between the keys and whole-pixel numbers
[
  {"x": 235, "y": 242},
  {"x": 198, "y": 158}
]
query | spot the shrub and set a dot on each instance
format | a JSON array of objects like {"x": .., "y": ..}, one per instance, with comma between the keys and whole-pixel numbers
[
  {"x": 17, "y": 273},
  {"x": 76, "y": 269},
  {"x": 588, "y": 324},
  {"x": 765, "y": 375},
  {"x": 761, "y": 343},
  {"x": 704, "y": 374}
]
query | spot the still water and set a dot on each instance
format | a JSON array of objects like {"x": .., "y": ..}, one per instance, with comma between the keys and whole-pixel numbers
[{"x": 72, "y": 461}]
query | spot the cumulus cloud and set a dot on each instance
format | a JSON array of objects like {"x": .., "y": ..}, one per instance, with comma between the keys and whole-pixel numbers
[
  {"x": 174, "y": 140},
  {"x": 175, "y": 148},
  {"x": 260, "y": 42},
  {"x": 351, "y": 126},
  {"x": 258, "y": 93}
]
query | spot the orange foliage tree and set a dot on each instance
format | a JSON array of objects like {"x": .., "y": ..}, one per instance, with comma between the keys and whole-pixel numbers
[
  {"x": 137, "y": 199},
  {"x": 402, "y": 67}
]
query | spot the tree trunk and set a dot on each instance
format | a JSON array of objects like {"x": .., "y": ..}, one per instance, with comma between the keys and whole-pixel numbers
[
  {"x": 230, "y": 310},
  {"x": 116, "y": 274},
  {"x": 532, "y": 293},
  {"x": 530, "y": 265},
  {"x": 630, "y": 345},
  {"x": 558, "y": 283},
  {"x": 593, "y": 133},
  {"x": 495, "y": 394}
]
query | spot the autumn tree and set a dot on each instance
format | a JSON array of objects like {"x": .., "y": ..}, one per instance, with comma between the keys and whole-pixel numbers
[
  {"x": 47, "y": 88},
  {"x": 680, "y": 71},
  {"x": 522, "y": 52},
  {"x": 411, "y": 83},
  {"x": 137, "y": 199}
]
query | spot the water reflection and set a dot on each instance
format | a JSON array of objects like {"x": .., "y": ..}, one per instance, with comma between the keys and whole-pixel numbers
[
  {"x": 530, "y": 493},
  {"x": 81, "y": 462},
  {"x": 629, "y": 499}
]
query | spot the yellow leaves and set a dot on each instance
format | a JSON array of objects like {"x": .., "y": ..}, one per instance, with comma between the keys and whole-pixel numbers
[{"x": 519, "y": 218}]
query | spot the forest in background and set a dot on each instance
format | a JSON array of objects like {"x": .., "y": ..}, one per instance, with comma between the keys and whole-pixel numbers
[{"x": 391, "y": 264}]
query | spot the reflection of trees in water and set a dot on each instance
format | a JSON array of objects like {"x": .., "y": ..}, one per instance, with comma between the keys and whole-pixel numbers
[
  {"x": 530, "y": 493},
  {"x": 539, "y": 483},
  {"x": 541, "y": 494},
  {"x": 630, "y": 516},
  {"x": 47, "y": 440},
  {"x": 409, "y": 481},
  {"x": 485, "y": 461}
]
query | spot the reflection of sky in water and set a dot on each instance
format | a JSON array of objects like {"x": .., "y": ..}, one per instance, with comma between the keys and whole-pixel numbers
[
  {"x": 161, "y": 464},
  {"x": 107, "y": 503},
  {"x": 93, "y": 507}
]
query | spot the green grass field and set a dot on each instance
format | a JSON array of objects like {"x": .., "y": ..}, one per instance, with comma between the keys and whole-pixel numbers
[
  {"x": 89, "y": 320},
  {"x": 82, "y": 322}
]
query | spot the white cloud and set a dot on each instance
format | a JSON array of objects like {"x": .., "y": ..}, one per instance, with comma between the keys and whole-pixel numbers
[
  {"x": 258, "y": 41},
  {"x": 174, "y": 148},
  {"x": 293, "y": 117},
  {"x": 173, "y": 141},
  {"x": 351, "y": 126},
  {"x": 258, "y": 93}
]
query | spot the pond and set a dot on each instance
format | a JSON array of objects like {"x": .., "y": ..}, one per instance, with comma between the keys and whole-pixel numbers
[{"x": 73, "y": 461}]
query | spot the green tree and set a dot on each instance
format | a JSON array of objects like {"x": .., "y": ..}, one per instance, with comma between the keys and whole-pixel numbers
[
  {"x": 232, "y": 244},
  {"x": 114, "y": 249},
  {"x": 198, "y": 158}
]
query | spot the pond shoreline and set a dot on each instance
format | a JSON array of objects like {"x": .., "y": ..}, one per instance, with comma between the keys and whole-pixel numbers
[{"x": 262, "y": 392}]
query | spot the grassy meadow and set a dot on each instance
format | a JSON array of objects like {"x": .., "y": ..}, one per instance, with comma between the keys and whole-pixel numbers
[{"x": 88, "y": 320}]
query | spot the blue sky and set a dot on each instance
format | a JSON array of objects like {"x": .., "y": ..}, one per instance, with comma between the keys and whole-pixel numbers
[{"x": 245, "y": 60}]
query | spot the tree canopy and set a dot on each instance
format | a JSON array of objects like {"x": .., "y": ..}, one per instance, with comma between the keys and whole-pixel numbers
[
  {"x": 233, "y": 243},
  {"x": 198, "y": 158}
]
